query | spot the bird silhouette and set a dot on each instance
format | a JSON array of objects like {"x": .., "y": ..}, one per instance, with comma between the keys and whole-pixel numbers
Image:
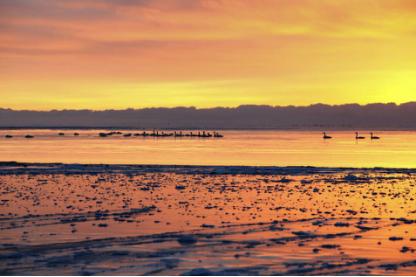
[{"x": 326, "y": 136}]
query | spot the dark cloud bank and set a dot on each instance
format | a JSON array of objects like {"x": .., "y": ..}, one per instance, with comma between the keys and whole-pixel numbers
[{"x": 323, "y": 117}]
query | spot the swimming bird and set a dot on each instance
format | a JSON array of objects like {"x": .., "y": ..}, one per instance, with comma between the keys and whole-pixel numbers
[
  {"x": 218, "y": 135},
  {"x": 326, "y": 136},
  {"x": 373, "y": 136},
  {"x": 8, "y": 136},
  {"x": 358, "y": 137},
  {"x": 29, "y": 136}
]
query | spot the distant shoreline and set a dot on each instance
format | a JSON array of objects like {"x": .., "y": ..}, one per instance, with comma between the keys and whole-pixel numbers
[
  {"x": 316, "y": 129},
  {"x": 12, "y": 167},
  {"x": 375, "y": 116}
]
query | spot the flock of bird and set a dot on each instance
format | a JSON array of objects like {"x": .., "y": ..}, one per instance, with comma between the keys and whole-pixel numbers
[
  {"x": 154, "y": 133},
  {"x": 202, "y": 134},
  {"x": 357, "y": 136}
]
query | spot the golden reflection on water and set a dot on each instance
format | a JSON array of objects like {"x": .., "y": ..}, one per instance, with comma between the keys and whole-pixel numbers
[{"x": 277, "y": 148}]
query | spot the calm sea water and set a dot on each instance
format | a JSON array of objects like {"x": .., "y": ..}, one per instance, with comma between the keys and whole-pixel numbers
[{"x": 277, "y": 148}]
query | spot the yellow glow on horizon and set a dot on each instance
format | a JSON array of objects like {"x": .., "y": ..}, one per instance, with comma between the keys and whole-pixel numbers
[{"x": 79, "y": 94}]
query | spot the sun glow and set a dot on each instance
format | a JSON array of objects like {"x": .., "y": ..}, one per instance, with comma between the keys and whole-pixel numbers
[{"x": 209, "y": 53}]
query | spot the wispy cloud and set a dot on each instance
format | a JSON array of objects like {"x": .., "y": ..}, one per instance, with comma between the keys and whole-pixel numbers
[{"x": 196, "y": 40}]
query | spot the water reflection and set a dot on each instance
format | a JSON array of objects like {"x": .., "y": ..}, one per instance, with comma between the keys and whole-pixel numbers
[{"x": 279, "y": 148}]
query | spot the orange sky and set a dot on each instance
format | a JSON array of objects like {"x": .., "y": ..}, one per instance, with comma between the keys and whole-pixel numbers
[{"x": 118, "y": 54}]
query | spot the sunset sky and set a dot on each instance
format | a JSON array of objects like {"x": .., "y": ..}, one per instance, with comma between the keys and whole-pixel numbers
[{"x": 147, "y": 53}]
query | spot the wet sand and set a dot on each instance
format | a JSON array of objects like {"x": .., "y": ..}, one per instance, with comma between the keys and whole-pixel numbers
[{"x": 204, "y": 220}]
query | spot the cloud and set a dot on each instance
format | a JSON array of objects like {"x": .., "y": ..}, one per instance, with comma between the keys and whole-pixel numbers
[
  {"x": 45, "y": 21},
  {"x": 306, "y": 42}
]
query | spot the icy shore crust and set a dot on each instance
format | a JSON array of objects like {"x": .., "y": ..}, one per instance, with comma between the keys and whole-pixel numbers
[
  {"x": 60, "y": 168},
  {"x": 73, "y": 219}
]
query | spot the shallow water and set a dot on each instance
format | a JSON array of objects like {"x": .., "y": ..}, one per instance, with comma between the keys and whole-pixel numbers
[
  {"x": 348, "y": 222},
  {"x": 279, "y": 148}
]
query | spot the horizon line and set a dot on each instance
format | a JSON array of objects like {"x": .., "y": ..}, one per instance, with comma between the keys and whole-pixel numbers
[{"x": 214, "y": 107}]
